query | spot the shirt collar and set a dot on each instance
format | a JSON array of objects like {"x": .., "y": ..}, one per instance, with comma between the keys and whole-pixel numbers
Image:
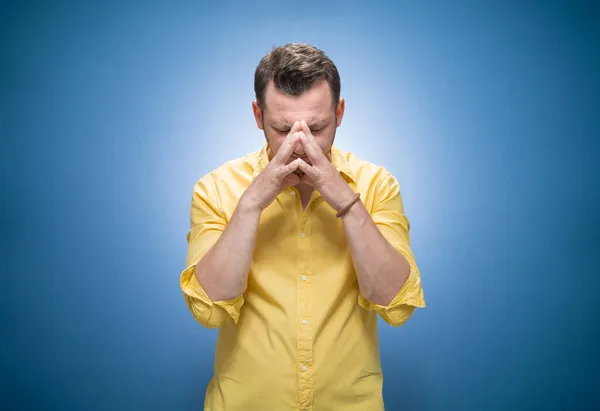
[{"x": 337, "y": 159}]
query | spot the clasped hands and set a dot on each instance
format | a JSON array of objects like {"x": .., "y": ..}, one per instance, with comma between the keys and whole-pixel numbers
[{"x": 278, "y": 174}]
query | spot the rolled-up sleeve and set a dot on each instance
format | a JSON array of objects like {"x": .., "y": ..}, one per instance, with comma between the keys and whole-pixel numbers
[
  {"x": 207, "y": 223},
  {"x": 388, "y": 215}
]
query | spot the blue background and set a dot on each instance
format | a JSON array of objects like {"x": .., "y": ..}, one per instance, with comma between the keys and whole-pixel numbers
[{"x": 488, "y": 114}]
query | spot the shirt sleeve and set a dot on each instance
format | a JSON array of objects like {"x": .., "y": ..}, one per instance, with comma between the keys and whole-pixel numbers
[
  {"x": 207, "y": 223},
  {"x": 388, "y": 216}
]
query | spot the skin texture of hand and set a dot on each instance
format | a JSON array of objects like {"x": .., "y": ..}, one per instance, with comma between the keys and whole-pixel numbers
[
  {"x": 277, "y": 175},
  {"x": 322, "y": 175}
]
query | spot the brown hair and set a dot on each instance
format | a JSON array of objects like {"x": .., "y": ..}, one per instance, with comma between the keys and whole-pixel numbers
[{"x": 294, "y": 68}]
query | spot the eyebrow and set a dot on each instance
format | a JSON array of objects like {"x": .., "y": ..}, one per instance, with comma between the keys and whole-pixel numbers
[{"x": 316, "y": 124}]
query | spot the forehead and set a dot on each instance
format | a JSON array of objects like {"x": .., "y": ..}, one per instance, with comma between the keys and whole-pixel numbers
[{"x": 314, "y": 105}]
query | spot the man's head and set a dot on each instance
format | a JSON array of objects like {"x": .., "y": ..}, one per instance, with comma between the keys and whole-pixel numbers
[{"x": 297, "y": 82}]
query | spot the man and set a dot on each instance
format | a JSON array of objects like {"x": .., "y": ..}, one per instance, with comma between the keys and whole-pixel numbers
[{"x": 294, "y": 250}]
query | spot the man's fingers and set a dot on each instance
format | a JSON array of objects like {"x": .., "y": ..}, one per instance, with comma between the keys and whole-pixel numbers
[
  {"x": 289, "y": 144},
  {"x": 290, "y": 180},
  {"x": 304, "y": 127},
  {"x": 287, "y": 148},
  {"x": 312, "y": 148},
  {"x": 290, "y": 168},
  {"x": 309, "y": 170},
  {"x": 306, "y": 180}
]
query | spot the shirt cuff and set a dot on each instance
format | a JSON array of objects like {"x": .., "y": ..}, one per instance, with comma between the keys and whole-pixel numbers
[
  {"x": 209, "y": 313},
  {"x": 404, "y": 302}
]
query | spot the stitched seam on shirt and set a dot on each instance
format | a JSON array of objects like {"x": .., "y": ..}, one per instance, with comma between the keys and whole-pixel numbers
[
  {"x": 215, "y": 197},
  {"x": 376, "y": 191}
]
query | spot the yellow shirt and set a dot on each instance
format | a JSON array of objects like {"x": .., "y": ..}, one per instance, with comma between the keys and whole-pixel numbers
[{"x": 301, "y": 337}]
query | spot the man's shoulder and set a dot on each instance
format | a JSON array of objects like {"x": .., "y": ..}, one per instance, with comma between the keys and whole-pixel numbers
[
  {"x": 365, "y": 172},
  {"x": 239, "y": 169}
]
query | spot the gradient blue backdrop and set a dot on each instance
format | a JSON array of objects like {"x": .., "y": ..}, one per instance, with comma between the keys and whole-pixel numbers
[{"x": 488, "y": 114}]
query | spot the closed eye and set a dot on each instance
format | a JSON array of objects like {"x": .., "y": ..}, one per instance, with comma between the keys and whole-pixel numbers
[{"x": 288, "y": 130}]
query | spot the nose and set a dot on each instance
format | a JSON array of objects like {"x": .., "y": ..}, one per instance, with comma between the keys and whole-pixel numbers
[{"x": 299, "y": 151}]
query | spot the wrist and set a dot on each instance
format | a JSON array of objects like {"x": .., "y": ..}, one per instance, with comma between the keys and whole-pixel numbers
[
  {"x": 344, "y": 199},
  {"x": 348, "y": 207},
  {"x": 355, "y": 213},
  {"x": 248, "y": 207}
]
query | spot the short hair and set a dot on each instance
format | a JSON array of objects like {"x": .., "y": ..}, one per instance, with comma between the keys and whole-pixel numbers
[{"x": 294, "y": 68}]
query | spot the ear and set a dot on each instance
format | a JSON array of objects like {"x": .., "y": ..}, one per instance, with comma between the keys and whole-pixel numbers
[
  {"x": 258, "y": 114},
  {"x": 339, "y": 111}
]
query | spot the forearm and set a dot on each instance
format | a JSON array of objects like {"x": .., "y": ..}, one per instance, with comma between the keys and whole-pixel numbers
[
  {"x": 381, "y": 270},
  {"x": 223, "y": 271}
]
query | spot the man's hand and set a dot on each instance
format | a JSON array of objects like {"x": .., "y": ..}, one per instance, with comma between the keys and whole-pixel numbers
[
  {"x": 322, "y": 174},
  {"x": 276, "y": 176}
]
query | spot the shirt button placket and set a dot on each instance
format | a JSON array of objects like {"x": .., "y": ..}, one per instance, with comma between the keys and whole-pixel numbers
[{"x": 304, "y": 340}]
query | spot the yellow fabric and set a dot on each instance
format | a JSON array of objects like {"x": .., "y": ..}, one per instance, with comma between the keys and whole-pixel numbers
[{"x": 301, "y": 337}]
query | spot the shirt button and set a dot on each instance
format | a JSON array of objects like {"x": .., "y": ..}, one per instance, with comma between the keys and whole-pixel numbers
[
  {"x": 303, "y": 278},
  {"x": 304, "y": 322},
  {"x": 304, "y": 367},
  {"x": 292, "y": 192},
  {"x": 302, "y": 235}
]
